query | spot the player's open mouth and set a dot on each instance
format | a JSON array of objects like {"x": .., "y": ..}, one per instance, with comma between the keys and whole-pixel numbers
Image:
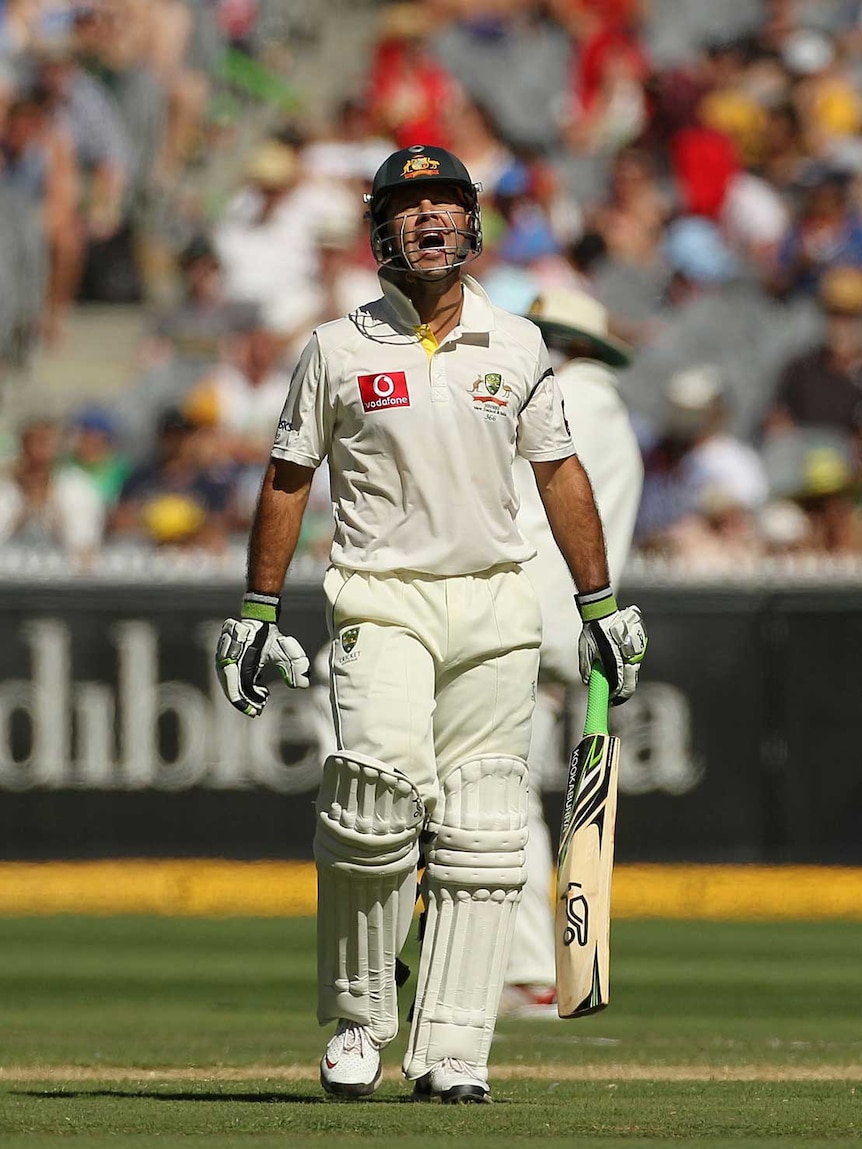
[{"x": 431, "y": 240}]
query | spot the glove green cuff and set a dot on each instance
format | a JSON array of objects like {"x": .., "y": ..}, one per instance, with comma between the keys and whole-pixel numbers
[
  {"x": 596, "y": 604},
  {"x": 261, "y": 607}
]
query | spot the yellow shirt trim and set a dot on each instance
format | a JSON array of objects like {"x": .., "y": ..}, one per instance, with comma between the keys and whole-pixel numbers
[{"x": 427, "y": 339}]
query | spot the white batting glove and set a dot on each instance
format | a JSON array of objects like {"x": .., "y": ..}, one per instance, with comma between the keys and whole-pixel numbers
[
  {"x": 615, "y": 638},
  {"x": 246, "y": 645}
]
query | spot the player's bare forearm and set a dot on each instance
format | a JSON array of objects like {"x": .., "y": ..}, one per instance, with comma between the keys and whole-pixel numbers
[
  {"x": 574, "y": 520},
  {"x": 276, "y": 525}
]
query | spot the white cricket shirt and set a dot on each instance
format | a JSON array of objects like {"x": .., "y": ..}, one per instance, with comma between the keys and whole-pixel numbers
[{"x": 421, "y": 438}]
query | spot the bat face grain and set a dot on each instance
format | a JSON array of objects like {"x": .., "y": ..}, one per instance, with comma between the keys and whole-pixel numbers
[{"x": 584, "y": 869}]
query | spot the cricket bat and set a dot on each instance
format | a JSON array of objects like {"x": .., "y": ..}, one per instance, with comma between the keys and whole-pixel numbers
[{"x": 585, "y": 862}]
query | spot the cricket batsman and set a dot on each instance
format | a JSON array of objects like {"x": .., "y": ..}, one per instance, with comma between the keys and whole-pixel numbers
[{"x": 420, "y": 401}]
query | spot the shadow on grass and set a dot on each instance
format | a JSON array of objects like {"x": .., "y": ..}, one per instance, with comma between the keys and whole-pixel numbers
[{"x": 264, "y": 1098}]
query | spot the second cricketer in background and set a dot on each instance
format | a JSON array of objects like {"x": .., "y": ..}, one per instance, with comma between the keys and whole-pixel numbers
[{"x": 575, "y": 327}]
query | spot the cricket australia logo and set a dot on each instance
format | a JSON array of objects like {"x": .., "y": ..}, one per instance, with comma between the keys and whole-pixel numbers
[
  {"x": 420, "y": 166},
  {"x": 345, "y": 647},
  {"x": 577, "y": 917},
  {"x": 490, "y": 395}
]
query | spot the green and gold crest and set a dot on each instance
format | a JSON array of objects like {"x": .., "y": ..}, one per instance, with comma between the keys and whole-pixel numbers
[
  {"x": 348, "y": 639},
  {"x": 493, "y": 383}
]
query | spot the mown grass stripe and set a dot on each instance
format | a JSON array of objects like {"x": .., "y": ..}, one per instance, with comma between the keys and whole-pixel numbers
[
  {"x": 218, "y": 888},
  {"x": 612, "y": 1071}
]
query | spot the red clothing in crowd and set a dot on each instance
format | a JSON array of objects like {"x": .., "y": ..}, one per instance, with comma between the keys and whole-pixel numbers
[
  {"x": 704, "y": 162},
  {"x": 407, "y": 89}
]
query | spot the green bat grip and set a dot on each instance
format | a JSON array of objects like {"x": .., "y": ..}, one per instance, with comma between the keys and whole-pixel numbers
[{"x": 597, "y": 702}]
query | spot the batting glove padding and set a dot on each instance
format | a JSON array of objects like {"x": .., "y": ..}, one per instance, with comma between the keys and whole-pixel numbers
[
  {"x": 245, "y": 647},
  {"x": 615, "y": 638}
]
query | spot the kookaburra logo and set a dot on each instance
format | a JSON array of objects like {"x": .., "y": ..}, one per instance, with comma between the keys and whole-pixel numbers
[{"x": 577, "y": 917}]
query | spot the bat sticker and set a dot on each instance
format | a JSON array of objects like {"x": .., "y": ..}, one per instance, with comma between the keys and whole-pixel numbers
[{"x": 577, "y": 917}]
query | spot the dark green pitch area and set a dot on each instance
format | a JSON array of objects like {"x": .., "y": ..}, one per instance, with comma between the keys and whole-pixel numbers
[{"x": 80, "y": 997}]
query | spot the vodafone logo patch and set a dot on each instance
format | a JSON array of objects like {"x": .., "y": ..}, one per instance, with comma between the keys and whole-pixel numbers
[{"x": 388, "y": 389}]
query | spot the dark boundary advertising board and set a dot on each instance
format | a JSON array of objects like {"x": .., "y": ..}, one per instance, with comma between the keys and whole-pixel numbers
[{"x": 742, "y": 743}]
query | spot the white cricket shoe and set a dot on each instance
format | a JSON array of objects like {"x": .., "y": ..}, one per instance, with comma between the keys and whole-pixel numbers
[
  {"x": 350, "y": 1066},
  {"x": 451, "y": 1081}
]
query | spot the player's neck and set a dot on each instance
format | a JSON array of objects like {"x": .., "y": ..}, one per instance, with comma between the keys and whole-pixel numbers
[{"x": 438, "y": 303}]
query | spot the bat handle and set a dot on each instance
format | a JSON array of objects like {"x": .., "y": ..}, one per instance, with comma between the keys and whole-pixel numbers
[{"x": 597, "y": 702}]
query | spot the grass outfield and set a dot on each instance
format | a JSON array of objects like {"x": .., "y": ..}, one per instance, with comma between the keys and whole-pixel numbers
[{"x": 121, "y": 1031}]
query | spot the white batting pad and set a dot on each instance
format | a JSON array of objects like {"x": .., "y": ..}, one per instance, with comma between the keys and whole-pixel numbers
[
  {"x": 366, "y": 849},
  {"x": 531, "y": 959},
  {"x": 472, "y": 886}
]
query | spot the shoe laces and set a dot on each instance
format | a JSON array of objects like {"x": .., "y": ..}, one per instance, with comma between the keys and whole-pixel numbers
[
  {"x": 353, "y": 1036},
  {"x": 458, "y": 1066}
]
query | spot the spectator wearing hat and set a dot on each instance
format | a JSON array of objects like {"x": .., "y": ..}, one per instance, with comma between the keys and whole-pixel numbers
[
  {"x": 178, "y": 495},
  {"x": 814, "y": 484},
  {"x": 266, "y": 239},
  {"x": 95, "y": 451},
  {"x": 698, "y": 255},
  {"x": 703, "y": 486},
  {"x": 828, "y": 494},
  {"x": 754, "y": 220},
  {"x": 825, "y": 92},
  {"x": 713, "y": 312},
  {"x": 822, "y": 386},
  {"x": 576, "y": 330},
  {"x": 826, "y": 233}
]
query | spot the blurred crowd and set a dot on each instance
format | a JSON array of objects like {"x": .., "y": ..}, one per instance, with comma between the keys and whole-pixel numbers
[{"x": 696, "y": 167}]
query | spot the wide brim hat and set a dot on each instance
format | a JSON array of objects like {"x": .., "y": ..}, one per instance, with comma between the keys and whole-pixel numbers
[
  {"x": 807, "y": 463},
  {"x": 272, "y": 165},
  {"x": 695, "y": 249},
  {"x": 564, "y": 315},
  {"x": 840, "y": 291},
  {"x": 405, "y": 21}
]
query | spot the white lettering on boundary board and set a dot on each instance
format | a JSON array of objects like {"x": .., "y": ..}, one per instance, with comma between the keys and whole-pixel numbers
[
  {"x": 90, "y": 735},
  {"x": 111, "y": 735}
]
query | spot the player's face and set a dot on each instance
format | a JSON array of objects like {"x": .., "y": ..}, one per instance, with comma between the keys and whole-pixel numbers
[{"x": 430, "y": 224}]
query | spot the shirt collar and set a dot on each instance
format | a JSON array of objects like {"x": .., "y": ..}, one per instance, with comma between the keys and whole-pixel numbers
[{"x": 477, "y": 314}]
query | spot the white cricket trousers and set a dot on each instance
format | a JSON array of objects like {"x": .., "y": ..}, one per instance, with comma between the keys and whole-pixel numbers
[
  {"x": 434, "y": 678},
  {"x": 428, "y": 673}
]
